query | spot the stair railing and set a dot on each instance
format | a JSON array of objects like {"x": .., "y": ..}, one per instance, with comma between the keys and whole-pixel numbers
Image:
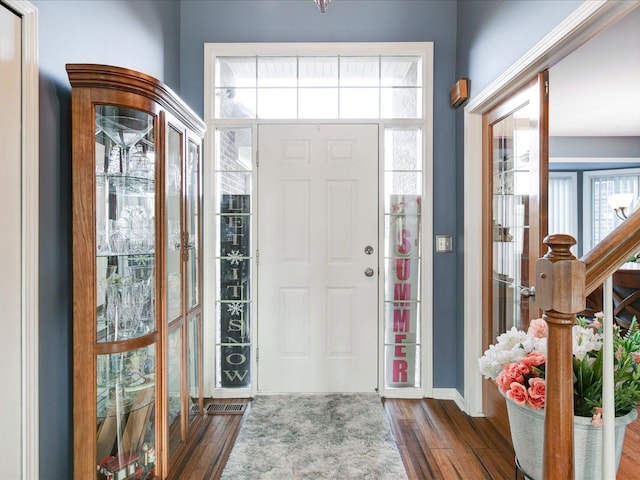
[{"x": 562, "y": 284}]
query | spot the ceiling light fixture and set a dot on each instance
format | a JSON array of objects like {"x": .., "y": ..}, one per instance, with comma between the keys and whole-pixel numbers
[{"x": 322, "y": 5}]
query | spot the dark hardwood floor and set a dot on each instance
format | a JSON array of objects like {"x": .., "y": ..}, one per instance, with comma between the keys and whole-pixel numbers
[{"x": 436, "y": 441}]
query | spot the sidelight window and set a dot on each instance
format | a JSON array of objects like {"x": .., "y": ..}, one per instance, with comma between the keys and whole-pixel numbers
[{"x": 233, "y": 190}]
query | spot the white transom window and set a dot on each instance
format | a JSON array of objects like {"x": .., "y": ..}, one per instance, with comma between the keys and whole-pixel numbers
[{"x": 319, "y": 87}]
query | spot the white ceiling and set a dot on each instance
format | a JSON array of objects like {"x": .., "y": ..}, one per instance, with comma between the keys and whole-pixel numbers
[{"x": 595, "y": 91}]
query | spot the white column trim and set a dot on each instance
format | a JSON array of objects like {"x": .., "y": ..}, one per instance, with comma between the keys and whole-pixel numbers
[
  {"x": 30, "y": 218},
  {"x": 472, "y": 263},
  {"x": 590, "y": 18}
]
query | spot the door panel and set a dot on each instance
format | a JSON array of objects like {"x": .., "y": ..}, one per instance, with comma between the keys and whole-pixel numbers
[
  {"x": 318, "y": 209},
  {"x": 515, "y": 168}
]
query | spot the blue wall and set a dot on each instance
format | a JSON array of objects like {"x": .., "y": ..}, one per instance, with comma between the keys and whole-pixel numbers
[
  {"x": 142, "y": 35},
  {"x": 353, "y": 21},
  {"x": 494, "y": 34}
]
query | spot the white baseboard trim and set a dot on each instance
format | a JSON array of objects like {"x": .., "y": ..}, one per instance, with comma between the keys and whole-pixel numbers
[{"x": 449, "y": 394}]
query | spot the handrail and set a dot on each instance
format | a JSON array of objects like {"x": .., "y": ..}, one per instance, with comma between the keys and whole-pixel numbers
[{"x": 609, "y": 255}]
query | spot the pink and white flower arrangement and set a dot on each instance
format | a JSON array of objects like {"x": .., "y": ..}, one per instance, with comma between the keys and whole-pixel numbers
[{"x": 516, "y": 363}]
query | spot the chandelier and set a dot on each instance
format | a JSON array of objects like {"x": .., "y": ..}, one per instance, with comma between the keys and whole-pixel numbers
[{"x": 322, "y": 5}]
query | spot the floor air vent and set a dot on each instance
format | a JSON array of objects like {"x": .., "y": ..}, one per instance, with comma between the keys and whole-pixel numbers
[{"x": 216, "y": 408}]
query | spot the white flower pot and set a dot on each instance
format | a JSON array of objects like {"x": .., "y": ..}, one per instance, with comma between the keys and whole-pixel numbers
[{"x": 527, "y": 435}]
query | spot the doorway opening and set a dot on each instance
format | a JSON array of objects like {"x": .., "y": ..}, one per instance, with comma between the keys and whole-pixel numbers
[
  {"x": 585, "y": 22},
  {"x": 316, "y": 100}
]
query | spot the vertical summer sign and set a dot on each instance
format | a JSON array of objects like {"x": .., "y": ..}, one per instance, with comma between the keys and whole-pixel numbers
[
  {"x": 402, "y": 289},
  {"x": 234, "y": 290}
]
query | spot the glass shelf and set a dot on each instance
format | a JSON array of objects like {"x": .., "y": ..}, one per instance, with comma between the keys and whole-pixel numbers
[
  {"x": 127, "y": 184},
  {"x": 107, "y": 253}
]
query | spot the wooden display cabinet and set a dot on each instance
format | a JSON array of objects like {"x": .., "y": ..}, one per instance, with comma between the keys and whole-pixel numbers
[{"x": 137, "y": 296}]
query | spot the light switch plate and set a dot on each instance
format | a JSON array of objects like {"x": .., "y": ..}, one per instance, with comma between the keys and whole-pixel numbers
[{"x": 444, "y": 244}]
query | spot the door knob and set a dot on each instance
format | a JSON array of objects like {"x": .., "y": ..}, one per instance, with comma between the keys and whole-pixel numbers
[
  {"x": 528, "y": 292},
  {"x": 368, "y": 249},
  {"x": 368, "y": 272}
]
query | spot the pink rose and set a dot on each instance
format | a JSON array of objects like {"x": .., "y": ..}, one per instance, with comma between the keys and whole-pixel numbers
[
  {"x": 537, "y": 328},
  {"x": 536, "y": 403},
  {"x": 534, "y": 359},
  {"x": 536, "y": 392},
  {"x": 503, "y": 380},
  {"x": 597, "y": 419},
  {"x": 511, "y": 373},
  {"x": 518, "y": 393},
  {"x": 524, "y": 368}
]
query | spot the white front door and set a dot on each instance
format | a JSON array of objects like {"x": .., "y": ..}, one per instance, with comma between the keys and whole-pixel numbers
[{"x": 317, "y": 236}]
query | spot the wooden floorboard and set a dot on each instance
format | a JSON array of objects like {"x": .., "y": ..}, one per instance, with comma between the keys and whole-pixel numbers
[{"x": 436, "y": 440}]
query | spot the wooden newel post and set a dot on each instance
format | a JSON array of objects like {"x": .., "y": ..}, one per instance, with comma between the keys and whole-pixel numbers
[{"x": 560, "y": 293}]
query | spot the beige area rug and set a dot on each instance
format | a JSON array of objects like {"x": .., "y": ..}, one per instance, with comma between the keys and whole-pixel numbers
[{"x": 315, "y": 437}]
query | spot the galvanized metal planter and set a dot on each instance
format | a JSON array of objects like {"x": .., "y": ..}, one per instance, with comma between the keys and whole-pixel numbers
[{"x": 527, "y": 434}]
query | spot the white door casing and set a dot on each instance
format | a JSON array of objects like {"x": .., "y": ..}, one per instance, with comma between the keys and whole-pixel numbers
[
  {"x": 20, "y": 431},
  {"x": 317, "y": 212},
  {"x": 10, "y": 265}
]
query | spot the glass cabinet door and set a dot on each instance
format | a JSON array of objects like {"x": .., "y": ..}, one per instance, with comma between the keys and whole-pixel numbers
[
  {"x": 126, "y": 414},
  {"x": 174, "y": 387},
  {"x": 193, "y": 222},
  {"x": 125, "y": 232},
  {"x": 125, "y": 208},
  {"x": 183, "y": 273},
  {"x": 174, "y": 299},
  {"x": 193, "y": 378},
  {"x": 193, "y": 218},
  {"x": 173, "y": 186}
]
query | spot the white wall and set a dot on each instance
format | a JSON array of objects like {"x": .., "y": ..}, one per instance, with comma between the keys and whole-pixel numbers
[{"x": 10, "y": 241}]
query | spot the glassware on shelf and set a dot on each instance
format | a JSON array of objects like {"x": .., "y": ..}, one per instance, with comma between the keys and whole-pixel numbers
[
  {"x": 118, "y": 237},
  {"x": 125, "y": 132},
  {"x": 130, "y": 306},
  {"x": 131, "y": 233},
  {"x": 142, "y": 161},
  {"x": 102, "y": 240}
]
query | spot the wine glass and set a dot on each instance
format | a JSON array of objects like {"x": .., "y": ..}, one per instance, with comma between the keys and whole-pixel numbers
[{"x": 125, "y": 132}]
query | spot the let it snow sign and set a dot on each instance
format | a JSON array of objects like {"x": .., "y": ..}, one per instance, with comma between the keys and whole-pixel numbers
[{"x": 235, "y": 349}]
